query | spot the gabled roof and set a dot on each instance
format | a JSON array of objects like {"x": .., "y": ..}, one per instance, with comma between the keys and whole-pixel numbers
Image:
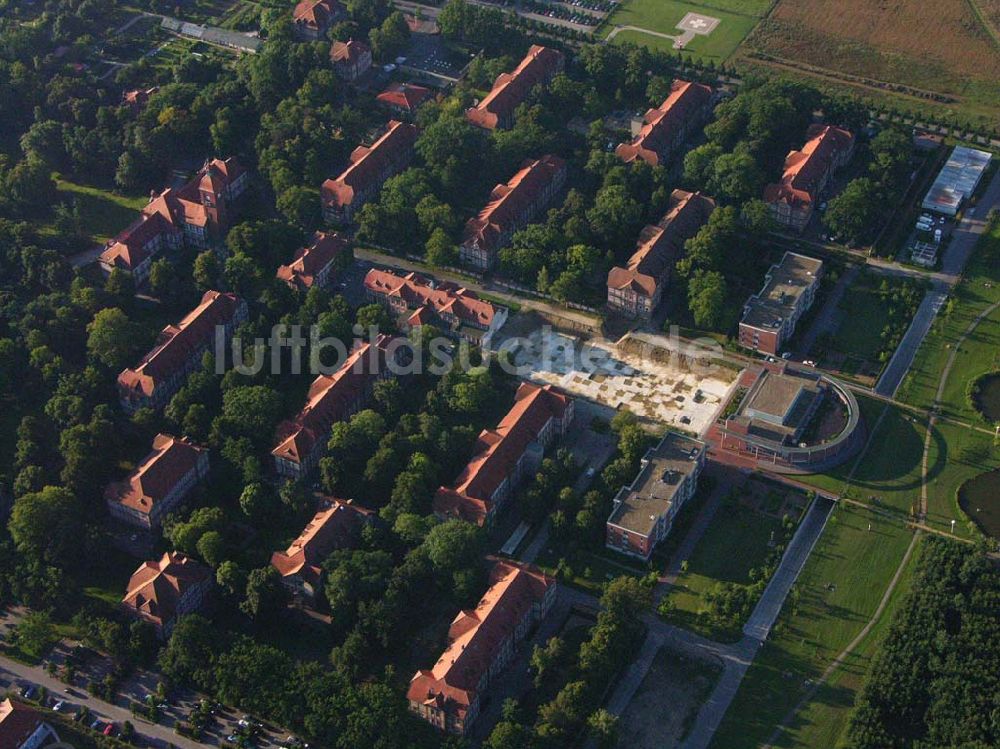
[
  {"x": 660, "y": 245},
  {"x": 685, "y": 101},
  {"x": 508, "y": 202},
  {"x": 805, "y": 169},
  {"x": 498, "y": 451},
  {"x": 350, "y": 51},
  {"x": 17, "y": 723},
  {"x": 442, "y": 298},
  {"x": 316, "y": 14},
  {"x": 404, "y": 96},
  {"x": 329, "y": 399},
  {"x": 511, "y": 89},
  {"x": 171, "y": 459},
  {"x": 177, "y": 343},
  {"x": 310, "y": 261},
  {"x": 476, "y": 635},
  {"x": 369, "y": 164},
  {"x": 156, "y": 588},
  {"x": 336, "y": 526}
]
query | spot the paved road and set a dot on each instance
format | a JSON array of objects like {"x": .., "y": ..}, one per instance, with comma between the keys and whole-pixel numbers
[{"x": 904, "y": 354}]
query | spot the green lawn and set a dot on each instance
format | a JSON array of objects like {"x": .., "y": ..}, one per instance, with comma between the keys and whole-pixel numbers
[
  {"x": 738, "y": 17},
  {"x": 821, "y": 721},
  {"x": 104, "y": 213},
  {"x": 838, "y": 591},
  {"x": 735, "y": 543},
  {"x": 979, "y": 289},
  {"x": 957, "y": 454}
]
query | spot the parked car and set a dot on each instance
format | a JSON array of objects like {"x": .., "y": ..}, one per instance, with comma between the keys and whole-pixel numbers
[
  {"x": 109, "y": 729},
  {"x": 58, "y": 707}
]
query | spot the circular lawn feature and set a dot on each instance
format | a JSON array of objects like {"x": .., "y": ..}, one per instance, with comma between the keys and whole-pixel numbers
[
  {"x": 985, "y": 396},
  {"x": 979, "y": 498}
]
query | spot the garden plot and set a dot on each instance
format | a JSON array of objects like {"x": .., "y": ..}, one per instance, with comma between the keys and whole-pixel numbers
[{"x": 663, "y": 391}]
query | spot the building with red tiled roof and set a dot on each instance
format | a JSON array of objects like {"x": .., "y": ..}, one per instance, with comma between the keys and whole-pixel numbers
[
  {"x": 159, "y": 483},
  {"x": 337, "y": 525},
  {"x": 420, "y": 301},
  {"x": 793, "y": 199},
  {"x": 370, "y": 167},
  {"x": 301, "y": 441},
  {"x": 511, "y": 207},
  {"x": 312, "y": 18},
  {"x": 481, "y": 643},
  {"x": 665, "y": 128},
  {"x": 350, "y": 59},
  {"x": 137, "y": 98},
  {"x": 160, "y": 592},
  {"x": 496, "y": 110},
  {"x": 636, "y": 288},
  {"x": 503, "y": 456},
  {"x": 197, "y": 214},
  {"x": 314, "y": 265},
  {"x": 23, "y": 727},
  {"x": 404, "y": 98},
  {"x": 178, "y": 351}
]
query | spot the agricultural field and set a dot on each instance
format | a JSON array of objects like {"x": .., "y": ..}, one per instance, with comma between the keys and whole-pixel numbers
[
  {"x": 945, "y": 49},
  {"x": 736, "y": 19}
]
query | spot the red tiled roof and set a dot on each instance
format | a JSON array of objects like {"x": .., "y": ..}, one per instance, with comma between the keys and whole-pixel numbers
[
  {"x": 316, "y": 14},
  {"x": 310, "y": 261},
  {"x": 138, "y": 96},
  {"x": 156, "y": 588},
  {"x": 444, "y": 298},
  {"x": 368, "y": 164},
  {"x": 174, "y": 208},
  {"x": 404, "y": 96},
  {"x": 475, "y": 637},
  {"x": 508, "y": 202},
  {"x": 805, "y": 169},
  {"x": 660, "y": 245},
  {"x": 686, "y": 99},
  {"x": 329, "y": 398},
  {"x": 333, "y": 527},
  {"x": 176, "y": 343},
  {"x": 510, "y": 89},
  {"x": 498, "y": 451},
  {"x": 17, "y": 723},
  {"x": 156, "y": 476},
  {"x": 350, "y": 51}
]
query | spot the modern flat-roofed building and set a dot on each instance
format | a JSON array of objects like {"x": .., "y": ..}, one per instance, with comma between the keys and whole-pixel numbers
[
  {"x": 503, "y": 456},
  {"x": 481, "y": 643},
  {"x": 644, "y": 511},
  {"x": 159, "y": 483},
  {"x": 807, "y": 172},
  {"x": 770, "y": 316},
  {"x": 370, "y": 167},
  {"x": 178, "y": 351},
  {"x": 957, "y": 180},
  {"x": 636, "y": 288},
  {"x": 511, "y": 207},
  {"x": 496, "y": 110},
  {"x": 162, "y": 591},
  {"x": 662, "y": 130}
]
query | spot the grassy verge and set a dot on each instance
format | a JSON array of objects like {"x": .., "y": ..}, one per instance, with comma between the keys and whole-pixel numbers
[
  {"x": 839, "y": 589},
  {"x": 979, "y": 289},
  {"x": 104, "y": 213},
  {"x": 957, "y": 454}
]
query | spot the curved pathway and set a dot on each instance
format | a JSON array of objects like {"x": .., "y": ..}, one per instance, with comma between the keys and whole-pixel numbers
[{"x": 615, "y": 31}]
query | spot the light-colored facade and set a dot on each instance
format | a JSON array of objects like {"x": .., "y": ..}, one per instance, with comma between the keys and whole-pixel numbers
[{"x": 770, "y": 316}]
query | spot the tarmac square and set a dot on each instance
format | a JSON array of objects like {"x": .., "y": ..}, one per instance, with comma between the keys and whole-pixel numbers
[{"x": 666, "y": 392}]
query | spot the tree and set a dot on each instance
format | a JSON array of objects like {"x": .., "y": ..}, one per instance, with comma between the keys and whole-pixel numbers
[
  {"x": 232, "y": 579},
  {"x": 111, "y": 338},
  {"x": 603, "y": 727},
  {"x": 211, "y": 548},
  {"x": 706, "y": 298},
  {"x": 453, "y": 545},
  {"x": 853, "y": 210},
  {"x": 391, "y": 38},
  {"x": 265, "y": 595},
  {"x": 374, "y": 316},
  {"x": 191, "y": 651},
  {"x": 299, "y": 205},
  {"x": 251, "y": 410},
  {"x": 544, "y": 658},
  {"x": 440, "y": 249},
  {"x": 46, "y": 526},
  {"x": 206, "y": 270}
]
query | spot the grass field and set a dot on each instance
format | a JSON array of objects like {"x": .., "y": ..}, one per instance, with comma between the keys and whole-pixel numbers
[
  {"x": 104, "y": 213},
  {"x": 737, "y": 18},
  {"x": 979, "y": 289},
  {"x": 735, "y": 543},
  {"x": 942, "y": 47},
  {"x": 957, "y": 454},
  {"x": 837, "y": 593}
]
